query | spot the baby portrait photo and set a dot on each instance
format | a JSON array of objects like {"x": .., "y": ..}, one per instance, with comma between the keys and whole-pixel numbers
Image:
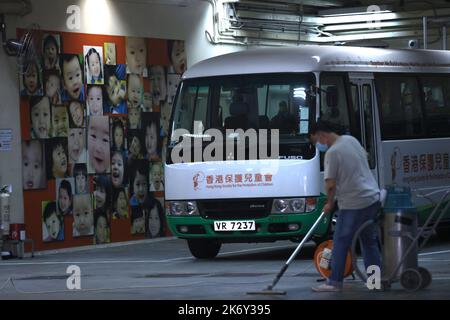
[
  {"x": 83, "y": 217},
  {"x": 93, "y": 64},
  {"x": 64, "y": 195},
  {"x": 52, "y": 222},
  {"x": 33, "y": 165}
]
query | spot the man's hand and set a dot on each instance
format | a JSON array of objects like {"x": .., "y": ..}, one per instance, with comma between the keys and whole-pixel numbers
[{"x": 328, "y": 208}]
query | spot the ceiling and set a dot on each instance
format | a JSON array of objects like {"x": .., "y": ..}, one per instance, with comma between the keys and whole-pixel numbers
[{"x": 291, "y": 22}]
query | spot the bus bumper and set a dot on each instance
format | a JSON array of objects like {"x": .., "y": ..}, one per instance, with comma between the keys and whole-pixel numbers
[{"x": 271, "y": 228}]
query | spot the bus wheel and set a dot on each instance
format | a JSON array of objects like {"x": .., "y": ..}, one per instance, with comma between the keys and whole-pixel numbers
[{"x": 204, "y": 249}]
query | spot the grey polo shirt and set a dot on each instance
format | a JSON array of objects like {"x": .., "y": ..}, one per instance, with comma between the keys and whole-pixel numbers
[{"x": 346, "y": 162}]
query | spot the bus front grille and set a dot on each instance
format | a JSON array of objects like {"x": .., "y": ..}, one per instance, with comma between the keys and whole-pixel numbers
[{"x": 235, "y": 209}]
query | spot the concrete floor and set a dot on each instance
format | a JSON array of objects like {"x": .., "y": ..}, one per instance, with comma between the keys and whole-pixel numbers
[{"x": 164, "y": 269}]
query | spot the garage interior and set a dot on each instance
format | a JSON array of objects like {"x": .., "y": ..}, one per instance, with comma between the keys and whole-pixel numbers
[{"x": 136, "y": 265}]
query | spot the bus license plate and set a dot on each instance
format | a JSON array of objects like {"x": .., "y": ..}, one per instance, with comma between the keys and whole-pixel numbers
[{"x": 234, "y": 226}]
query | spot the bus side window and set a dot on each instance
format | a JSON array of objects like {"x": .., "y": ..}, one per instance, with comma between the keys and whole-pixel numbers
[
  {"x": 437, "y": 107},
  {"x": 333, "y": 102},
  {"x": 401, "y": 114}
]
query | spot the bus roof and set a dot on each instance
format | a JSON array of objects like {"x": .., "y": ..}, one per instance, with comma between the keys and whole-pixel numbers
[{"x": 312, "y": 58}]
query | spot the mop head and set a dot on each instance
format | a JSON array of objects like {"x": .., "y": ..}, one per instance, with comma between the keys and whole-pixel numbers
[{"x": 268, "y": 291}]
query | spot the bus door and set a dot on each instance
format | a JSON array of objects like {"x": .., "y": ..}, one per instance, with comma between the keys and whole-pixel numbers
[{"x": 363, "y": 101}]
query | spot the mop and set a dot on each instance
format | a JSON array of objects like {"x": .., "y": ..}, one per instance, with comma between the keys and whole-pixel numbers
[{"x": 269, "y": 290}]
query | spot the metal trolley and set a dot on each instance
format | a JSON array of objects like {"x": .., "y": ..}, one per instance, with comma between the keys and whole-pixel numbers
[{"x": 401, "y": 238}]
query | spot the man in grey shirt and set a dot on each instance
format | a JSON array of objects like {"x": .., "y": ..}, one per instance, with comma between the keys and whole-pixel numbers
[{"x": 349, "y": 180}]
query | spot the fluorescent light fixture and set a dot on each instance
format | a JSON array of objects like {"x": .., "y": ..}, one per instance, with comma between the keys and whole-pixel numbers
[
  {"x": 97, "y": 16},
  {"x": 373, "y": 9}
]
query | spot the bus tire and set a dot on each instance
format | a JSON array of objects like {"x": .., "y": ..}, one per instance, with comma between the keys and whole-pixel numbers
[{"x": 204, "y": 248}]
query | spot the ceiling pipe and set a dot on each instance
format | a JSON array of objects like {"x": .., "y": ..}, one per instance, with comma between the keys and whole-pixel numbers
[
  {"x": 444, "y": 37},
  {"x": 425, "y": 31}
]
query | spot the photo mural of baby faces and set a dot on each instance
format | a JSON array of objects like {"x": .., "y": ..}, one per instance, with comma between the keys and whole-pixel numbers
[
  {"x": 177, "y": 56},
  {"x": 80, "y": 176},
  {"x": 156, "y": 219},
  {"x": 103, "y": 193},
  {"x": 94, "y": 100},
  {"x": 110, "y": 53},
  {"x": 118, "y": 134},
  {"x": 151, "y": 131},
  {"x": 76, "y": 114},
  {"x": 120, "y": 203},
  {"x": 99, "y": 159},
  {"x": 118, "y": 169},
  {"x": 156, "y": 176},
  {"x": 64, "y": 195},
  {"x": 135, "y": 145},
  {"x": 40, "y": 116},
  {"x": 135, "y": 91},
  {"x": 173, "y": 80},
  {"x": 116, "y": 89},
  {"x": 102, "y": 230},
  {"x": 52, "y": 86},
  {"x": 33, "y": 165},
  {"x": 137, "y": 220},
  {"x": 72, "y": 75},
  {"x": 134, "y": 118},
  {"x": 158, "y": 83},
  {"x": 60, "y": 121},
  {"x": 166, "y": 111},
  {"x": 56, "y": 158},
  {"x": 51, "y": 48},
  {"x": 83, "y": 217},
  {"x": 52, "y": 222},
  {"x": 31, "y": 80},
  {"x": 77, "y": 145},
  {"x": 136, "y": 55},
  {"x": 139, "y": 186},
  {"x": 93, "y": 61},
  {"x": 147, "y": 105}
]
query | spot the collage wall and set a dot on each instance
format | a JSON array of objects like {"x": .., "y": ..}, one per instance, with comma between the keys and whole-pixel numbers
[{"x": 94, "y": 117}]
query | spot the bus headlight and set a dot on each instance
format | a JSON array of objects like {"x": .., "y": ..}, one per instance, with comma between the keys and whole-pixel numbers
[
  {"x": 183, "y": 208},
  {"x": 280, "y": 205},
  {"x": 294, "y": 205},
  {"x": 191, "y": 208},
  {"x": 176, "y": 208},
  {"x": 298, "y": 205}
]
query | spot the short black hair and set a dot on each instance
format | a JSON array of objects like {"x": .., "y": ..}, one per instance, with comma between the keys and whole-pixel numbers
[
  {"x": 66, "y": 58},
  {"x": 65, "y": 184},
  {"x": 80, "y": 169},
  {"x": 50, "y": 39},
  {"x": 324, "y": 126},
  {"x": 50, "y": 208}
]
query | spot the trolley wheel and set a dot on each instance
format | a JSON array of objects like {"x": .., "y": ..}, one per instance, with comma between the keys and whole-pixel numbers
[
  {"x": 327, "y": 272},
  {"x": 411, "y": 280},
  {"x": 426, "y": 277}
]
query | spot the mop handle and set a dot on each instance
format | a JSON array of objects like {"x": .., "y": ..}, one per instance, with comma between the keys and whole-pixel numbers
[
  {"x": 299, "y": 247},
  {"x": 306, "y": 238}
]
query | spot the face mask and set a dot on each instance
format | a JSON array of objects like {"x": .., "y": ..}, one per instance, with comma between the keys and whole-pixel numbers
[{"x": 321, "y": 147}]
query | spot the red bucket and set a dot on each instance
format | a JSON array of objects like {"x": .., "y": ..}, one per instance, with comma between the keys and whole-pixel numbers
[{"x": 14, "y": 230}]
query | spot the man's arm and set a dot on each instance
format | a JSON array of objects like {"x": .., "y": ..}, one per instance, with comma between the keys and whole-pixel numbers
[{"x": 330, "y": 189}]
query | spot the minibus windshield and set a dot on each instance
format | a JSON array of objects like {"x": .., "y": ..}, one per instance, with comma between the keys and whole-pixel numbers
[{"x": 262, "y": 101}]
